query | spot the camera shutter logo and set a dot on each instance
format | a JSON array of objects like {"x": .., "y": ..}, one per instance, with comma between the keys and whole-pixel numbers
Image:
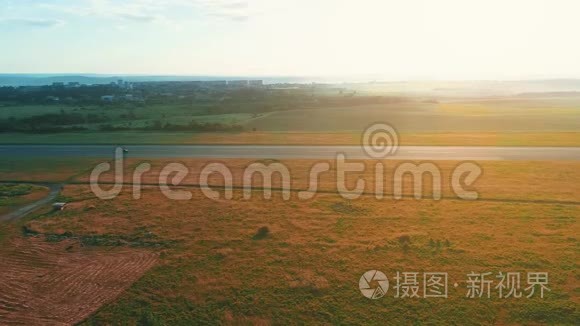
[{"x": 373, "y": 278}]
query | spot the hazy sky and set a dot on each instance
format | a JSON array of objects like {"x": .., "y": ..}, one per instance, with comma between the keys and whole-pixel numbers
[{"x": 404, "y": 39}]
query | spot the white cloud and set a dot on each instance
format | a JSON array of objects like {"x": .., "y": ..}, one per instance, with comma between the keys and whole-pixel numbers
[
  {"x": 154, "y": 11},
  {"x": 32, "y": 22},
  {"x": 138, "y": 17},
  {"x": 228, "y": 9}
]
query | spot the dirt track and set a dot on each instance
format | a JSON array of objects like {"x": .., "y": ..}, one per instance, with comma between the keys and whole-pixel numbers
[{"x": 26, "y": 209}]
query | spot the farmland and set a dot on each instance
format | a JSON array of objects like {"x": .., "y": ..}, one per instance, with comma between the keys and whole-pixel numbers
[
  {"x": 141, "y": 258},
  {"x": 198, "y": 257},
  {"x": 486, "y": 116},
  {"x": 297, "y": 115},
  {"x": 315, "y": 252},
  {"x": 61, "y": 283}
]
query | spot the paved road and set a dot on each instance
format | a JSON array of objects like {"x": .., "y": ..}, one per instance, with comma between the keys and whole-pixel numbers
[
  {"x": 27, "y": 209},
  {"x": 294, "y": 152}
]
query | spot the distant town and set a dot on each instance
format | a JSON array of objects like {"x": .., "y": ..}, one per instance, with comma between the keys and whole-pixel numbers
[{"x": 119, "y": 91}]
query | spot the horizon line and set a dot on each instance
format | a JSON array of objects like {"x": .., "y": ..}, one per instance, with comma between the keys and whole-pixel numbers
[{"x": 377, "y": 77}]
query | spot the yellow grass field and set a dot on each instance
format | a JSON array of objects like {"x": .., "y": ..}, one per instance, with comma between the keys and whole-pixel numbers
[
  {"x": 214, "y": 267},
  {"x": 516, "y": 180}
]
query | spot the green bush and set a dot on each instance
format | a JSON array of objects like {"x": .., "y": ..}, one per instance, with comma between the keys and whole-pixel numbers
[{"x": 14, "y": 190}]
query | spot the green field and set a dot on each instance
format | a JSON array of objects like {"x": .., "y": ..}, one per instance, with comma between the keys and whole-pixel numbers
[
  {"x": 549, "y": 121},
  {"x": 118, "y": 116},
  {"x": 483, "y": 116}
]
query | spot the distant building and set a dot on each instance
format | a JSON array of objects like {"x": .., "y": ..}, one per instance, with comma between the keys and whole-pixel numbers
[
  {"x": 215, "y": 83},
  {"x": 73, "y": 85},
  {"x": 122, "y": 84},
  {"x": 255, "y": 83},
  {"x": 238, "y": 83},
  {"x": 52, "y": 98},
  {"x": 107, "y": 98}
]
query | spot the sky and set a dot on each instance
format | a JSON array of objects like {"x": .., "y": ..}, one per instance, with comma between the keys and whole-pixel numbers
[{"x": 397, "y": 40}]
